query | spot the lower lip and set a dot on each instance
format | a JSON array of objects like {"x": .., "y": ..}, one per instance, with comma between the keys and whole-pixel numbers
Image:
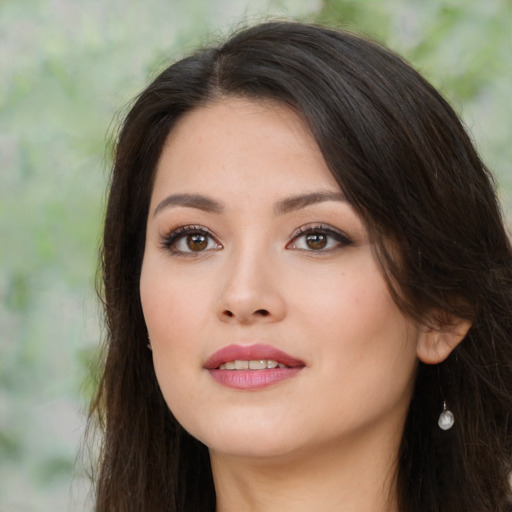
[{"x": 250, "y": 380}]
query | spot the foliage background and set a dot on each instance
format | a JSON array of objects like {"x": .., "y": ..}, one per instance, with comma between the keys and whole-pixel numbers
[{"x": 68, "y": 69}]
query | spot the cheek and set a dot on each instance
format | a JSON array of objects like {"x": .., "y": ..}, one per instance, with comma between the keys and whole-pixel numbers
[
  {"x": 175, "y": 311},
  {"x": 352, "y": 304},
  {"x": 363, "y": 341},
  {"x": 174, "y": 308}
]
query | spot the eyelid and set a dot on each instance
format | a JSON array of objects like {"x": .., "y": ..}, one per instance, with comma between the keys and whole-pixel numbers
[
  {"x": 343, "y": 239},
  {"x": 174, "y": 235}
]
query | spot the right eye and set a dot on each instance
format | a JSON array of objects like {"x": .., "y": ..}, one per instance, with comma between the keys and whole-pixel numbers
[{"x": 190, "y": 240}]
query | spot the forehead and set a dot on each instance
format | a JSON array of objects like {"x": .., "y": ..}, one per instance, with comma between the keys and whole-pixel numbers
[{"x": 240, "y": 145}]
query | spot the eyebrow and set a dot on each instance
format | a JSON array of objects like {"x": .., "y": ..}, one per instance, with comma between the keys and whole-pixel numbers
[
  {"x": 191, "y": 201},
  {"x": 282, "y": 207},
  {"x": 294, "y": 203}
]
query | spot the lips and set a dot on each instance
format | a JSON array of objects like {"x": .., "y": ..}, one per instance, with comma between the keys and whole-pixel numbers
[
  {"x": 252, "y": 367},
  {"x": 251, "y": 353}
]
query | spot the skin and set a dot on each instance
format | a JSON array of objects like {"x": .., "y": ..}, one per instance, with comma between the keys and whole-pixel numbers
[{"x": 327, "y": 438}]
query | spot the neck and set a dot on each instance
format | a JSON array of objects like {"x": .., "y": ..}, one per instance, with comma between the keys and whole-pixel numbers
[{"x": 356, "y": 477}]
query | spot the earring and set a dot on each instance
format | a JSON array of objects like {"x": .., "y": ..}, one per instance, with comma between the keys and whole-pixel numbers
[
  {"x": 446, "y": 419},
  {"x": 149, "y": 343}
]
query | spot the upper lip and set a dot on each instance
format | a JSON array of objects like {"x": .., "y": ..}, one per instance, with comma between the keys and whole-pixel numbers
[{"x": 250, "y": 353}]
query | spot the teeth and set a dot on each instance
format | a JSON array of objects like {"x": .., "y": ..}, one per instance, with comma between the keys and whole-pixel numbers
[
  {"x": 241, "y": 365},
  {"x": 256, "y": 364}
]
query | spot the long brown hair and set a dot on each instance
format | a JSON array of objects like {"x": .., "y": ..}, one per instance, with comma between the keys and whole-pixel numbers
[{"x": 403, "y": 159}]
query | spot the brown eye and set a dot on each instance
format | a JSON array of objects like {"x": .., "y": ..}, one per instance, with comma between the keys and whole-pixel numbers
[
  {"x": 316, "y": 241},
  {"x": 197, "y": 242},
  {"x": 190, "y": 240},
  {"x": 319, "y": 239}
]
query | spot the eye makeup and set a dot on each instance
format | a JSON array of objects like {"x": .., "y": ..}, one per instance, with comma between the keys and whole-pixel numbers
[
  {"x": 193, "y": 239},
  {"x": 189, "y": 240},
  {"x": 318, "y": 238}
]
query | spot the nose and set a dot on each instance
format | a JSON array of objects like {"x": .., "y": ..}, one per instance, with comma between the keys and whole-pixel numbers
[{"x": 251, "y": 291}]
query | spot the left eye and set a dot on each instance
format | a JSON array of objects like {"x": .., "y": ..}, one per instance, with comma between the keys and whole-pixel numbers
[
  {"x": 195, "y": 242},
  {"x": 319, "y": 240},
  {"x": 189, "y": 239}
]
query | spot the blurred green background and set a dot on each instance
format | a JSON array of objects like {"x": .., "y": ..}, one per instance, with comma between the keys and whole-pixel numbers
[{"x": 68, "y": 70}]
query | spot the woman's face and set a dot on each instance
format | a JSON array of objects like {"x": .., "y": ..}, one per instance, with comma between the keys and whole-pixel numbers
[{"x": 254, "y": 259}]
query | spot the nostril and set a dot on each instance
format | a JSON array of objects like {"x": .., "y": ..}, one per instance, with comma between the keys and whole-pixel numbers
[{"x": 242, "y": 316}]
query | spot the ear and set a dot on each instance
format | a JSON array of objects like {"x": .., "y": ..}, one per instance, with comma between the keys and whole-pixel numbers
[{"x": 435, "y": 343}]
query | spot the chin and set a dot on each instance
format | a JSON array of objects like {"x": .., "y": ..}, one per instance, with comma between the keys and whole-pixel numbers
[
  {"x": 254, "y": 448},
  {"x": 250, "y": 440}
]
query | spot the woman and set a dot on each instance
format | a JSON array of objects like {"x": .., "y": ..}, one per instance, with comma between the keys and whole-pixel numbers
[{"x": 307, "y": 287}]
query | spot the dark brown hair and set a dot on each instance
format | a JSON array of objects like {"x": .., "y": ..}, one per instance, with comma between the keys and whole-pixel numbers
[{"x": 403, "y": 159}]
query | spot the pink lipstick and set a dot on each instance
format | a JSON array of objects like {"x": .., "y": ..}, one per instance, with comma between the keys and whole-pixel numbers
[{"x": 251, "y": 367}]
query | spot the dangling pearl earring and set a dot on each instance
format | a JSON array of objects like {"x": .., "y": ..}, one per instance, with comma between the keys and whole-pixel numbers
[{"x": 446, "y": 419}]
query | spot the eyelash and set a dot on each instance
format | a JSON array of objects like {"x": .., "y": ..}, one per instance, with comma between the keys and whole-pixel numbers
[
  {"x": 341, "y": 239},
  {"x": 170, "y": 240}
]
